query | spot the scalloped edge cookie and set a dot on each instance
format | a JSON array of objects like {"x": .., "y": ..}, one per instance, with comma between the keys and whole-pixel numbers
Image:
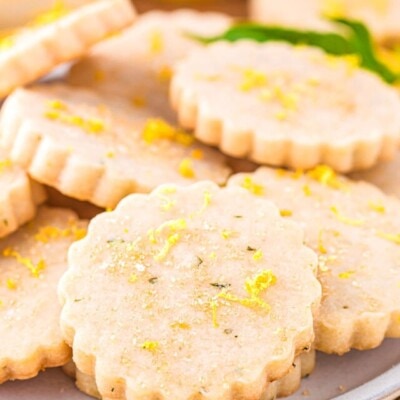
[{"x": 62, "y": 40}]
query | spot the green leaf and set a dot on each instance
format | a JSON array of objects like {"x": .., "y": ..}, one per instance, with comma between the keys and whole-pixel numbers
[{"x": 356, "y": 40}]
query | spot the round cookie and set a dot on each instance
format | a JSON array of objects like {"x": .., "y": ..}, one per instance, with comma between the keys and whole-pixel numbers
[
  {"x": 354, "y": 228},
  {"x": 52, "y": 38},
  {"x": 381, "y": 16},
  {"x": 286, "y": 106},
  {"x": 98, "y": 149},
  {"x": 203, "y": 299},
  {"x": 301, "y": 367},
  {"x": 19, "y": 196},
  {"x": 138, "y": 63},
  {"x": 31, "y": 262}
]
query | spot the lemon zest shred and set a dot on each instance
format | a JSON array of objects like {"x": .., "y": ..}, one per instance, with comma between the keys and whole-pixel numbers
[
  {"x": 11, "y": 284},
  {"x": 133, "y": 278},
  {"x": 226, "y": 233},
  {"x": 392, "y": 237},
  {"x": 286, "y": 213},
  {"x": 180, "y": 325},
  {"x": 377, "y": 207},
  {"x": 151, "y": 346},
  {"x": 252, "y": 79},
  {"x": 26, "y": 262},
  {"x": 158, "y": 129},
  {"x": 156, "y": 40},
  {"x": 346, "y": 220},
  {"x": 47, "y": 233},
  {"x": 321, "y": 247},
  {"x": 214, "y": 308},
  {"x": 258, "y": 255},
  {"x": 307, "y": 190},
  {"x": 253, "y": 187},
  {"x": 185, "y": 168},
  {"x": 326, "y": 176},
  {"x": 346, "y": 274},
  {"x": 164, "y": 74},
  {"x": 4, "y": 164}
]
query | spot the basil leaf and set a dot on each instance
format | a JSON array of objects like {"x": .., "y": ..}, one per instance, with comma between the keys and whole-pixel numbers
[{"x": 356, "y": 40}]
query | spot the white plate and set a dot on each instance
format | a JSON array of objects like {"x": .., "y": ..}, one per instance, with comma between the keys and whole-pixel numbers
[{"x": 369, "y": 375}]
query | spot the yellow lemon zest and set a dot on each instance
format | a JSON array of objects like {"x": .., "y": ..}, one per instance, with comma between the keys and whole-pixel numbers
[
  {"x": 164, "y": 74},
  {"x": 326, "y": 176},
  {"x": 180, "y": 325},
  {"x": 197, "y": 154},
  {"x": 258, "y": 255},
  {"x": 4, "y": 164},
  {"x": 260, "y": 282},
  {"x": 346, "y": 220},
  {"x": 346, "y": 274},
  {"x": 252, "y": 79},
  {"x": 226, "y": 233},
  {"x": 286, "y": 213},
  {"x": 185, "y": 168},
  {"x": 156, "y": 40},
  {"x": 252, "y": 187},
  {"x": 133, "y": 278},
  {"x": 47, "y": 233},
  {"x": 395, "y": 238},
  {"x": 151, "y": 346},
  {"x": 214, "y": 307},
  {"x": 11, "y": 284},
  {"x": 321, "y": 247},
  {"x": 58, "y": 112},
  {"x": 307, "y": 190},
  {"x": 281, "y": 115},
  {"x": 158, "y": 129},
  {"x": 377, "y": 207},
  {"x": 26, "y": 262}
]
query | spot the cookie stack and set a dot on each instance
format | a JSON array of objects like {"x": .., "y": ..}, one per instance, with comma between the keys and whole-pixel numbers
[{"x": 190, "y": 278}]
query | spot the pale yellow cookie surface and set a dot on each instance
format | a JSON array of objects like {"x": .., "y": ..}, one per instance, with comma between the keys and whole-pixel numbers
[
  {"x": 61, "y": 34},
  {"x": 186, "y": 291},
  {"x": 19, "y": 196},
  {"x": 93, "y": 148},
  {"x": 286, "y": 106},
  {"x": 139, "y": 62},
  {"x": 354, "y": 228},
  {"x": 31, "y": 262}
]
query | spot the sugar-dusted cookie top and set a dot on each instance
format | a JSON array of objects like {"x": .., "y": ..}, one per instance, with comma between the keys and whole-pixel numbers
[
  {"x": 139, "y": 62},
  {"x": 61, "y": 34},
  {"x": 385, "y": 175},
  {"x": 98, "y": 149},
  {"x": 31, "y": 263},
  {"x": 19, "y": 196},
  {"x": 354, "y": 228},
  {"x": 381, "y": 16},
  {"x": 286, "y": 106},
  {"x": 189, "y": 291}
]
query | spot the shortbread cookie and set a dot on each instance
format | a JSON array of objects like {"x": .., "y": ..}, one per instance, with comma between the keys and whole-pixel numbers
[
  {"x": 286, "y": 106},
  {"x": 92, "y": 148},
  {"x": 31, "y": 51},
  {"x": 31, "y": 263},
  {"x": 354, "y": 228},
  {"x": 138, "y": 63},
  {"x": 301, "y": 367},
  {"x": 19, "y": 196},
  {"x": 385, "y": 175},
  {"x": 186, "y": 291},
  {"x": 381, "y": 16}
]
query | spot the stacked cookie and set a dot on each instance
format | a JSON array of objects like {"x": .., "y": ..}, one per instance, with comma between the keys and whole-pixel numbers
[{"x": 191, "y": 283}]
